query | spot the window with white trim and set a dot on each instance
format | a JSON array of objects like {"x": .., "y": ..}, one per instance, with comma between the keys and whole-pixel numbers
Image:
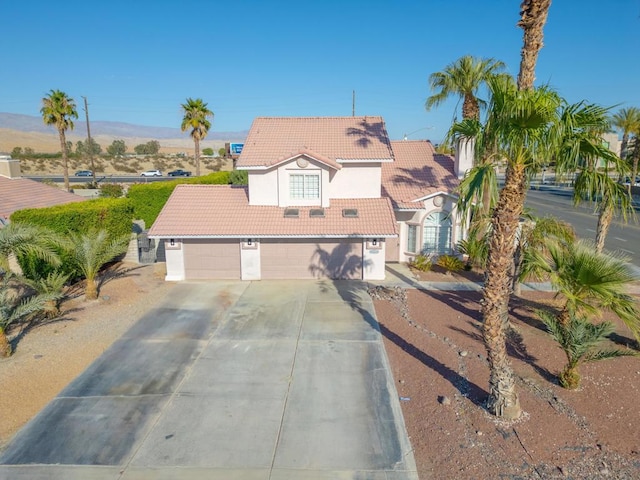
[
  {"x": 412, "y": 233},
  {"x": 436, "y": 234},
  {"x": 306, "y": 186}
]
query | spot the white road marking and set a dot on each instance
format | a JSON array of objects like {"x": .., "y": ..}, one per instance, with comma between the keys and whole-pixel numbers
[
  {"x": 620, "y": 239},
  {"x": 627, "y": 251},
  {"x": 590, "y": 230}
]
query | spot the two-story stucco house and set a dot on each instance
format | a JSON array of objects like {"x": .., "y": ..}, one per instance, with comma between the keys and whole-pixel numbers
[{"x": 326, "y": 197}]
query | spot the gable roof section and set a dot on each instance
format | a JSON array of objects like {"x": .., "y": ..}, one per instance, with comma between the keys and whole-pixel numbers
[
  {"x": 224, "y": 211},
  {"x": 21, "y": 193},
  {"x": 272, "y": 140},
  {"x": 417, "y": 172}
]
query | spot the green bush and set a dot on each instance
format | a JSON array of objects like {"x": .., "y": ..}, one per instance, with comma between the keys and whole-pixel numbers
[
  {"x": 111, "y": 190},
  {"x": 239, "y": 177},
  {"x": 114, "y": 215},
  {"x": 450, "y": 263},
  {"x": 148, "y": 199}
]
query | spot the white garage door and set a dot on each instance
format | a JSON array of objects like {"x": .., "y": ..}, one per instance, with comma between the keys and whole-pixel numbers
[
  {"x": 308, "y": 258},
  {"x": 206, "y": 259}
]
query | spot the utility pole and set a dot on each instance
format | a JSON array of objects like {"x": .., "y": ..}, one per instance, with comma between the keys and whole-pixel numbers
[
  {"x": 353, "y": 104},
  {"x": 90, "y": 145}
]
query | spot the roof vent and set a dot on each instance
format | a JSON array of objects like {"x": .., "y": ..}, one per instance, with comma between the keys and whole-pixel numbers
[
  {"x": 350, "y": 212},
  {"x": 291, "y": 213},
  {"x": 316, "y": 213}
]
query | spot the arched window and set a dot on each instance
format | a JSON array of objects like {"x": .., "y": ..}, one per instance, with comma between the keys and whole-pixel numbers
[{"x": 436, "y": 234}]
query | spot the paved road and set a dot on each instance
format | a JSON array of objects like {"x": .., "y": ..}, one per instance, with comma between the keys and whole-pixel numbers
[
  {"x": 101, "y": 178},
  {"x": 558, "y": 202},
  {"x": 230, "y": 380}
]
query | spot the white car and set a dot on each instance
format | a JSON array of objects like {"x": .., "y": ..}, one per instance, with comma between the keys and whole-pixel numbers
[{"x": 151, "y": 173}]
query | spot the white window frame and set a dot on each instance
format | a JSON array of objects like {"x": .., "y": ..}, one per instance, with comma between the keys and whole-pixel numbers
[
  {"x": 439, "y": 233},
  {"x": 412, "y": 238},
  {"x": 308, "y": 191}
]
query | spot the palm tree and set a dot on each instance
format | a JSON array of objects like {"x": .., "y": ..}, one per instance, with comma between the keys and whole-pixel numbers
[
  {"x": 195, "y": 118},
  {"x": 503, "y": 400},
  {"x": 579, "y": 339},
  {"x": 52, "y": 284},
  {"x": 593, "y": 183},
  {"x": 627, "y": 120},
  {"x": 14, "y": 309},
  {"x": 90, "y": 252},
  {"x": 463, "y": 78},
  {"x": 589, "y": 282},
  {"x": 22, "y": 240},
  {"x": 58, "y": 110}
]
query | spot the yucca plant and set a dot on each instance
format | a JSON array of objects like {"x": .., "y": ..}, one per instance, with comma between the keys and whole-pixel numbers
[
  {"x": 579, "y": 339},
  {"x": 450, "y": 263},
  {"x": 422, "y": 263}
]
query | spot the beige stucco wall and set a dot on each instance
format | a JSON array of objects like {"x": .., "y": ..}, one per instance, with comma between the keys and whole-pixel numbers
[
  {"x": 374, "y": 259},
  {"x": 263, "y": 187},
  {"x": 356, "y": 181},
  {"x": 174, "y": 260},
  {"x": 250, "y": 267}
]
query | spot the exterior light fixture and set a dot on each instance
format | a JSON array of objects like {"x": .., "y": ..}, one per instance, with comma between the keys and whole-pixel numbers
[
  {"x": 172, "y": 242},
  {"x": 374, "y": 242},
  {"x": 249, "y": 242}
]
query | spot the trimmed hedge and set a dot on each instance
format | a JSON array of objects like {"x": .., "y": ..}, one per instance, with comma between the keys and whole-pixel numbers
[
  {"x": 148, "y": 199},
  {"x": 111, "y": 214},
  {"x": 114, "y": 215}
]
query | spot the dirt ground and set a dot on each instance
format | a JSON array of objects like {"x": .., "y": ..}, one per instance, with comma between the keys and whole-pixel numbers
[
  {"x": 433, "y": 341},
  {"x": 438, "y": 361}
]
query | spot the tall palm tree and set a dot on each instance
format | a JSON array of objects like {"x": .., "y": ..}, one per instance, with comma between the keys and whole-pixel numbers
[
  {"x": 463, "y": 78},
  {"x": 59, "y": 110},
  {"x": 196, "y": 116},
  {"x": 593, "y": 183},
  {"x": 503, "y": 399},
  {"x": 628, "y": 121},
  {"x": 90, "y": 251}
]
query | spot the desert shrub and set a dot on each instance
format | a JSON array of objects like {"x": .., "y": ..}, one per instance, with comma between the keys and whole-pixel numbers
[
  {"x": 476, "y": 249},
  {"x": 450, "y": 263},
  {"x": 422, "y": 263},
  {"x": 50, "y": 182}
]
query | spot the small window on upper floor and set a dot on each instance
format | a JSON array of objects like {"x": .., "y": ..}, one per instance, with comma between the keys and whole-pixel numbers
[{"x": 304, "y": 186}]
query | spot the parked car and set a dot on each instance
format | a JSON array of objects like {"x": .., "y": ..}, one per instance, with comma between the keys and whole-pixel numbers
[
  {"x": 627, "y": 181},
  {"x": 151, "y": 173},
  {"x": 83, "y": 173},
  {"x": 179, "y": 173}
]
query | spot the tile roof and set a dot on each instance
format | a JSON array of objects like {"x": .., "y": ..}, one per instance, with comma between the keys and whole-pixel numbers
[
  {"x": 224, "y": 211},
  {"x": 418, "y": 171},
  {"x": 272, "y": 140},
  {"x": 20, "y": 193}
]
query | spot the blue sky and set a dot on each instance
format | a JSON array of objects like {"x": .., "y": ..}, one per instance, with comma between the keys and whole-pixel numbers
[{"x": 136, "y": 61}]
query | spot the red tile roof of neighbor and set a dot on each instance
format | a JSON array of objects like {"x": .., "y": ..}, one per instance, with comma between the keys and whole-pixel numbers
[
  {"x": 272, "y": 140},
  {"x": 224, "y": 211},
  {"x": 20, "y": 193},
  {"x": 418, "y": 171}
]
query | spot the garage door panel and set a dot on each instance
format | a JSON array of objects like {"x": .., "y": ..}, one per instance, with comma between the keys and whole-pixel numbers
[
  {"x": 311, "y": 259},
  {"x": 211, "y": 259}
]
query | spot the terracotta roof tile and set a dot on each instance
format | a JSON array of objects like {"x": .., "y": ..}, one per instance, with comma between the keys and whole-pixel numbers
[
  {"x": 418, "y": 171},
  {"x": 20, "y": 193},
  {"x": 274, "y": 139},
  {"x": 224, "y": 211}
]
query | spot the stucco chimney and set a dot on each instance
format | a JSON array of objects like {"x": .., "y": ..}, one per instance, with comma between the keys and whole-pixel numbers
[
  {"x": 9, "y": 168},
  {"x": 464, "y": 156}
]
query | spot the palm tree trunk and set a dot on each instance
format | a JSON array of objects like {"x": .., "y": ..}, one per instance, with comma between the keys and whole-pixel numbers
[
  {"x": 503, "y": 400},
  {"x": 65, "y": 159},
  {"x": 634, "y": 169},
  {"x": 196, "y": 140},
  {"x": 5, "y": 346},
  {"x": 533, "y": 16},
  {"x": 470, "y": 107},
  {"x": 91, "y": 290},
  {"x": 604, "y": 222}
]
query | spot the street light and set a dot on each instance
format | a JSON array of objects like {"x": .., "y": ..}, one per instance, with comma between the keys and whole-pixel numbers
[{"x": 406, "y": 135}]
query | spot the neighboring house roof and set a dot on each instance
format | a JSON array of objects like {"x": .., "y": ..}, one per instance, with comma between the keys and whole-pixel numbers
[
  {"x": 224, "y": 211},
  {"x": 417, "y": 172},
  {"x": 20, "y": 193},
  {"x": 333, "y": 140}
]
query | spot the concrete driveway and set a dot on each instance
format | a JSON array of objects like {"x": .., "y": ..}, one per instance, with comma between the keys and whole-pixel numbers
[{"x": 229, "y": 380}]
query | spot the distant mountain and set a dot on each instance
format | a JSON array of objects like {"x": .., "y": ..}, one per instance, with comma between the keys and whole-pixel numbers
[{"x": 28, "y": 123}]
